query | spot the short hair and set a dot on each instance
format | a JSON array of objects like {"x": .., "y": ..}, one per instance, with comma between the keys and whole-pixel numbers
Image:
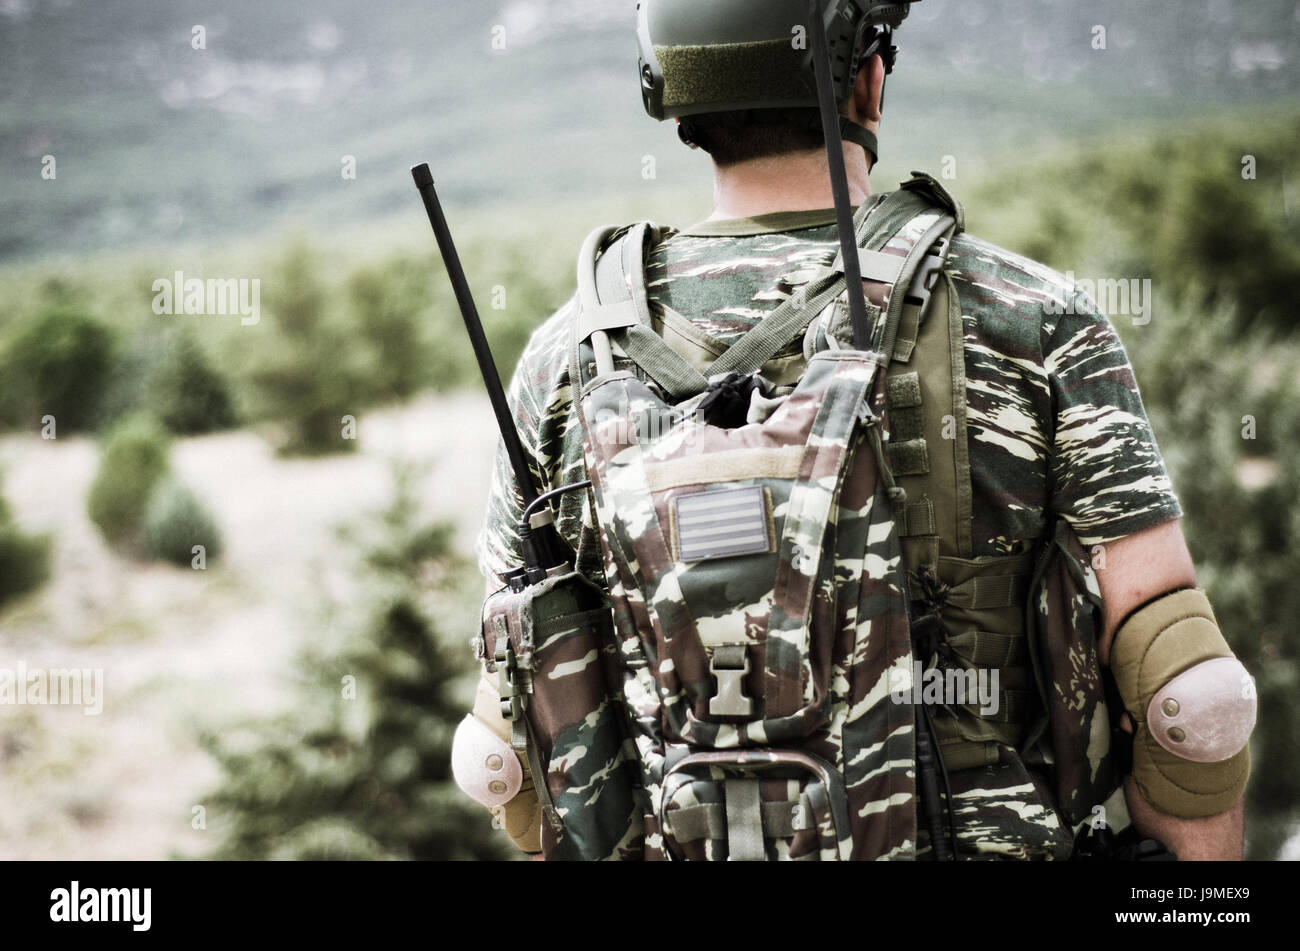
[{"x": 732, "y": 137}]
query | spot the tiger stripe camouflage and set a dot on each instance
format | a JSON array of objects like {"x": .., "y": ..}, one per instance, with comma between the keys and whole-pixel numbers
[{"x": 1059, "y": 448}]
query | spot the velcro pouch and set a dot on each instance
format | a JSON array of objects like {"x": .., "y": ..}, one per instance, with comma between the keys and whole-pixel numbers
[{"x": 552, "y": 647}]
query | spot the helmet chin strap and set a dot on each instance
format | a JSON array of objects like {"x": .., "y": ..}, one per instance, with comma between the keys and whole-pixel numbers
[{"x": 850, "y": 131}]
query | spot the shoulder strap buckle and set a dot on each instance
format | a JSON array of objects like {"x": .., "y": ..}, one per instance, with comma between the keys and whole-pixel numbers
[{"x": 927, "y": 273}]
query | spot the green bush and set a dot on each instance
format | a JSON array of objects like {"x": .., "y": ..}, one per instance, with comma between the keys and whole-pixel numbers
[
  {"x": 310, "y": 374},
  {"x": 133, "y": 462},
  {"x": 60, "y": 365},
  {"x": 175, "y": 522},
  {"x": 365, "y": 776},
  {"x": 24, "y": 562},
  {"x": 24, "y": 559},
  {"x": 391, "y": 305},
  {"x": 1227, "y": 242},
  {"x": 125, "y": 391},
  {"x": 184, "y": 390},
  {"x": 1174, "y": 207}
]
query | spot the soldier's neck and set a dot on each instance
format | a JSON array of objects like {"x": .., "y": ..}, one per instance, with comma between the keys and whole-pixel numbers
[{"x": 798, "y": 181}]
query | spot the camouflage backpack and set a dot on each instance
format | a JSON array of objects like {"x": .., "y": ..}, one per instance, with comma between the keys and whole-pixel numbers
[
  {"x": 755, "y": 567},
  {"x": 776, "y": 525}
]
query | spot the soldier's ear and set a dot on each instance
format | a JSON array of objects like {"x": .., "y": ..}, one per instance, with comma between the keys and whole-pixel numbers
[{"x": 868, "y": 89}]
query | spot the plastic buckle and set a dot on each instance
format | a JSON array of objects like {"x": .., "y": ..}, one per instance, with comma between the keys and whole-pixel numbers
[
  {"x": 729, "y": 665},
  {"x": 512, "y": 706},
  {"x": 927, "y": 274}
]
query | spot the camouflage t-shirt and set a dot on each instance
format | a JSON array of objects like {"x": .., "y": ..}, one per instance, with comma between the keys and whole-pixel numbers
[{"x": 1055, "y": 422}]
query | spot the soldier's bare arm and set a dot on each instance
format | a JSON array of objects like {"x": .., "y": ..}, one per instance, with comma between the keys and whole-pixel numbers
[{"x": 1139, "y": 568}]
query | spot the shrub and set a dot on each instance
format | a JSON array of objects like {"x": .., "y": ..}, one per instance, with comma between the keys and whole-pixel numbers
[
  {"x": 175, "y": 522},
  {"x": 184, "y": 390},
  {"x": 1232, "y": 245},
  {"x": 125, "y": 391},
  {"x": 309, "y": 376},
  {"x": 24, "y": 559},
  {"x": 61, "y": 366},
  {"x": 391, "y": 305},
  {"x": 367, "y": 777},
  {"x": 24, "y": 562},
  {"x": 13, "y": 412},
  {"x": 133, "y": 462}
]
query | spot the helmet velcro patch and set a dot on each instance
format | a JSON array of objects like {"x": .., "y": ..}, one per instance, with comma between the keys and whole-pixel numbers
[{"x": 736, "y": 75}]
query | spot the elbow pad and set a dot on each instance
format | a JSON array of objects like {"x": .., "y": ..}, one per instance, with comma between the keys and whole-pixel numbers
[
  {"x": 491, "y": 773},
  {"x": 1192, "y": 704}
]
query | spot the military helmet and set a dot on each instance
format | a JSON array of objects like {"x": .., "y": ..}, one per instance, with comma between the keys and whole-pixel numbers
[{"x": 725, "y": 56}]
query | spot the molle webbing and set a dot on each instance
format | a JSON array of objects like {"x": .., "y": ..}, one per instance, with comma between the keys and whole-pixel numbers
[
  {"x": 981, "y": 601},
  {"x": 730, "y": 73},
  {"x": 708, "y": 820},
  {"x": 908, "y": 452},
  {"x": 926, "y": 388}
]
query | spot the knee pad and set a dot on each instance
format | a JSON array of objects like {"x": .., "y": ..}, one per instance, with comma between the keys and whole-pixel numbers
[
  {"x": 1192, "y": 704},
  {"x": 491, "y": 773}
]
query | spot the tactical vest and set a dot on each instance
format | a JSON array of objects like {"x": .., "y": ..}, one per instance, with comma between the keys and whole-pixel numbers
[{"x": 767, "y": 578}]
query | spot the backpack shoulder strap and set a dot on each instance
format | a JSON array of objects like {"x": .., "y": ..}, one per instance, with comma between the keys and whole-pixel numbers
[
  {"x": 612, "y": 298},
  {"x": 925, "y": 184},
  {"x": 897, "y": 234},
  {"x": 926, "y": 382},
  {"x": 903, "y": 243}
]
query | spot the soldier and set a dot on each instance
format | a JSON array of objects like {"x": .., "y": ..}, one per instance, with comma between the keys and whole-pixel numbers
[{"x": 1039, "y": 529}]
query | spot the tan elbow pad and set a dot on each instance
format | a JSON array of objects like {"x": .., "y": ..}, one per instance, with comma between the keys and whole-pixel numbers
[
  {"x": 1192, "y": 704},
  {"x": 494, "y": 775}
]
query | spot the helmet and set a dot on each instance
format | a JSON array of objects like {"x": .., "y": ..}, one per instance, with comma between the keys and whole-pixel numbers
[{"x": 711, "y": 56}]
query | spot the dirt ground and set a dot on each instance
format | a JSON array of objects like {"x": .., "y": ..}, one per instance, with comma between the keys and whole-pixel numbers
[{"x": 179, "y": 647}]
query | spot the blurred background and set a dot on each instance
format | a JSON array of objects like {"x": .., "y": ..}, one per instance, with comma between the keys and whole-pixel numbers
[{"x": 290, "y": 691}]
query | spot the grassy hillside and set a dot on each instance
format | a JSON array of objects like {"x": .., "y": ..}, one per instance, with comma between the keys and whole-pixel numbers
[
  {"x": 1125, "y": 205},
  {"x": 157, "y": 143}
]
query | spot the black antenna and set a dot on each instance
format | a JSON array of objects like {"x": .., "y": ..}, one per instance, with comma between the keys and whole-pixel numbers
[
  {"x": 839, "y": 176},
  {"x": 482, "y": 353},
  {"x": 543, "y": 549}
]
